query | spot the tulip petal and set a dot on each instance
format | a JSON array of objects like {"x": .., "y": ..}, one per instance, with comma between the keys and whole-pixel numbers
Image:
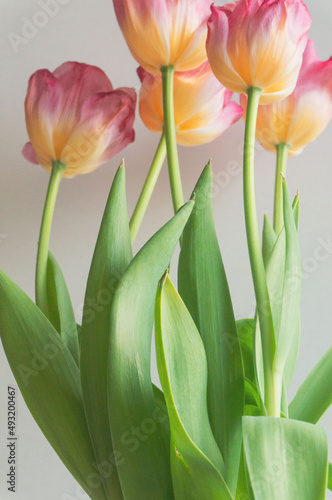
[
  {"x": 85, "y": 79},
  {"x": 162, "y": 32},
  {"x": 29, "y": 153},
  {"x": 43, "y": 106},
  {"x": 258, "y": 43},
  {"x": 310, "y": 54},
  {"x": 229, "y": 115},
  {"x": 201, "y": 105},
  {"x": 312, "y": 112},
  {"x": 105, "y": 128},
  {"x": 216, "y": 47},
  {"x": 302, "y": 116},
  {"x": 79, "y": 81}
]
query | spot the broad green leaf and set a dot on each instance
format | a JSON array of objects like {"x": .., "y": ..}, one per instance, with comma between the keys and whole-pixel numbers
[
  {"x": 60, "y": 309},
  {"x": 291, "y": 293},
  {"x": 242, "y": 490},
  {"x": 269, "y": 239},
  {"x": 314, "y": 397},
  {"x": 196, "y": 461},
  {"x": 161, "y": 404},
  {"x": 329, "y": 484},
  {"x": 204, "y": 289},
  {"x": 110, "y": 259},
  {"x": 283, "y": 271},
  {"x": 274, "y": 267},
  {"x": 137, "y": 433},
  {"x": 254, "y": 398},
  {"x": 245, "y": 329},
  {"x": 295, "y": 341},
  {"x": 286, "y": 459},
  {"x": 48, "y": 378}
]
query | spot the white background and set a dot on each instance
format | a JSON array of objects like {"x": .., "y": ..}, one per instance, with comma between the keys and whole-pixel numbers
[{"x": 86, "y": 31}]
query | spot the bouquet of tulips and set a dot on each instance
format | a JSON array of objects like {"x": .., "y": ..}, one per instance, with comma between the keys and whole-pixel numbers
[{"x": 221, "y": 428}]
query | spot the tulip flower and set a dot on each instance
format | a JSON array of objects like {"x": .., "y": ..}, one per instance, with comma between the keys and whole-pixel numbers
[
  {"x": 258, "y": 43},
  {"x": 74, "y": 117},
  {"x": 75, "y": 122},
  {"x": 255, "y": 47},
  {"x": 165, "y": 32},
  {"x": 286, "y": 127},
  {"x": 166, "y": 36},
  {"x": 299, "y": 119},
  {"x": 202, "y": 106}
]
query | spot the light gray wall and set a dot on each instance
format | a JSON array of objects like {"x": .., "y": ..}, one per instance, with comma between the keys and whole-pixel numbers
[{"x": 86, "y": 31}]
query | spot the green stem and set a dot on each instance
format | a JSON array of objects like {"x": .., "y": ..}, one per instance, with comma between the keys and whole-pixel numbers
[
  {"x": 255, "y": 253},
  {"x": 170, "y": 134},
  {"x": 148, "y": 188},
  {"x": 44, "y": 236},
  {"x": 282, "y": 155}
]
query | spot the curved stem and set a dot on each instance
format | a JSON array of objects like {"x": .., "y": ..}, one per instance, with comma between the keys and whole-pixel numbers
[
  {"x": 149, "y": 185},
  {"x": 278, "y": 217},
  {"x": 255, "y": 253},
  {"x": 170, "y": 135},
  {"x": 44, "y": 236}
]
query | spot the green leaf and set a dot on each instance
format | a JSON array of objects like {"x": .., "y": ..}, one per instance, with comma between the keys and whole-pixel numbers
[
  {"x": 60, "y": 309},
  {"x": 135, "y": 419},
  {"x": 329, "y": 484},
  {"x": 48, "y": 378},
  {"x": 242, "y": 490},
  {"x": 182, "y": 369},
  {"x": 269, "y": 239},
  {"x": 286, "y": 459},
  {"x": 204, "y": 289},
  {"x": 196, "y": 461},
  {"x": 161, "y": 403},
  {"x": 295, "y": 338},
  {"x": 79, "y": 330},
  {"x": 245, "y": 329},
  {"x": 314, "y": 397},
  {"x": 296, "y": 210},
  {"x": 253, "y": 397},
  {"x": 291, "y": 294},
  {"x": 283, "y": 275},
  {"x": 110, "y": 259}
]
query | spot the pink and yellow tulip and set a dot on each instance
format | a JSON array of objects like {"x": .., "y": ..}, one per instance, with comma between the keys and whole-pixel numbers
[
  {"x": 258, "y": 43},
  {"x": 74, "y": 116},
  {"x": 165, "y": 32},
  {"x": 299, "y": 119},
  {"x": 202, "y": 106}
]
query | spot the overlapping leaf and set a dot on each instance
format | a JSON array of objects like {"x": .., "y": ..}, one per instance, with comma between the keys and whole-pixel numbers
[
  {"x": 136, "y": 422},
  {"x": 314, "y": 397},
  {"x": 48, "y": 378},
  {"x": 111, "y": 257},
  {"x": 60, "y": 309},
  {"x": 203, "y": 287},
  {"x": 283, "y": 275},
  {"x": 196, "y": 461},
  {"x": 286, "y": 459}
]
